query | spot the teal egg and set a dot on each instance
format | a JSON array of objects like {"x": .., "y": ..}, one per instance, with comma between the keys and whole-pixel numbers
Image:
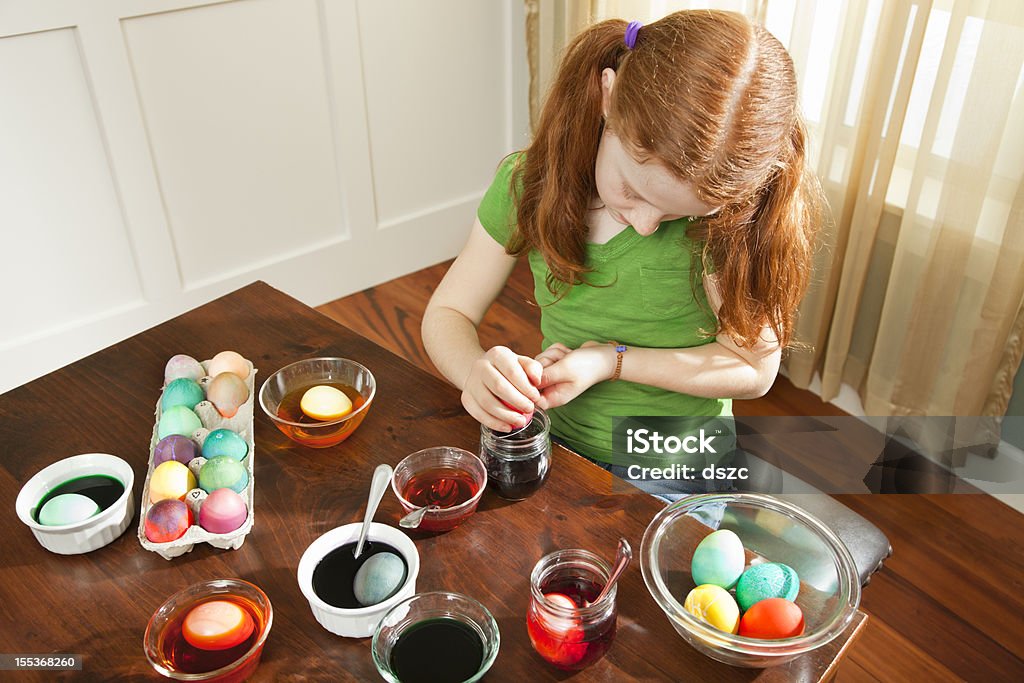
[
  {"x": 768, "y": 580},
  {"x": 182, "y": 392},
  {"x": 225, "y": 442},
  {"x": 178, "y": 420},
  {"x": 67, "y": 508},
  {"x": 718, "y": 559},
  {"x": 223, "y": 472},
  {"x": 379, "y": 578}
]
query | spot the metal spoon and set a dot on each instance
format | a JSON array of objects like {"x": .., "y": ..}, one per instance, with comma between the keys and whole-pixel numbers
[
  {"x": 381, "y": 478},
  {"x": 413, "y": 519},
  {"x": 623, "y": 555}
]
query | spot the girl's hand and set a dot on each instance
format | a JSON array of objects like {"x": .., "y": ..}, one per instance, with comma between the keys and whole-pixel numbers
[
  {"x": 501, "y": 390},
  {"x": 552, "y": 354},
  {"x": 573, "y": 372}
]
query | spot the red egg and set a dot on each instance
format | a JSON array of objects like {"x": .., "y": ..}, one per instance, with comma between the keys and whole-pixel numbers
[
  {"x": 772, "y": 619},
  {"x": 167, "y": 520},
  {"x": 217, "y": 625}
]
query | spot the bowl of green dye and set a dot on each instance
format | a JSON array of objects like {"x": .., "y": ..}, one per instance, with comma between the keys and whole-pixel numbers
[{"x": 95, "y": 505}]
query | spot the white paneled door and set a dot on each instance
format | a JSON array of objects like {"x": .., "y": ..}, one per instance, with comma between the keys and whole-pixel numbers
[{"x": 156, "y": 154}]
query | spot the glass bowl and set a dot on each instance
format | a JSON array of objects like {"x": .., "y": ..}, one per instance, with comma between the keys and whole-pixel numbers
[
  {"x": 447, "y": 458},
  {"x": 428, "y": 606},
  {"x": 164, "y": 630},
  {"x": 292, "y": 381},
  {"x": 771, "y": 530}
]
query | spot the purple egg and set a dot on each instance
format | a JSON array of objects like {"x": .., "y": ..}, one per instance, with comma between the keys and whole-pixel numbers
[
  {"x": 175, "y": 447},
  {"x": 222, "y": 512},
  {"x": 167, "y": 520}
]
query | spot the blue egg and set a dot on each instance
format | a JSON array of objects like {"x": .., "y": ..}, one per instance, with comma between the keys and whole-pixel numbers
[
  {"x": 225, "y": 442},
  {"x": 380, "y": 577},
  {"x": 718, "y": 559},
  {"x": 182, "y": 392}
]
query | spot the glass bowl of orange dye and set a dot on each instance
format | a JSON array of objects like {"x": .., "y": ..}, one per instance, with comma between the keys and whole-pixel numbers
[
  {"x": 170, "y": 645},
  {"x": 281, "y": 399}
]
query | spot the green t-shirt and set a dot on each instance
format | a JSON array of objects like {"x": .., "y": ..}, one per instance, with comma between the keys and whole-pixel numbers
[{"x": 644, "y": 298}]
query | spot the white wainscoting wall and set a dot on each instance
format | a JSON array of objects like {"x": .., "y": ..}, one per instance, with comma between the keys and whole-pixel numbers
[{"x": 157, "y": 154}]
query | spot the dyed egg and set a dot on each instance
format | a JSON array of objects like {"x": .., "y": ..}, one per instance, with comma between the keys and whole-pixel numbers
[
  {"x": 379, "y": 578},
  {"x": 225, "y": 442},
  {"x": 178, "y": 420},
  {"x": 713, "y": 605},
  {"x": 229, "y": 361},
  {"x": 325, "y": 403},
  {"x": 175, "y": 447},
  {"x": 217, "y": 625},
  {"x": 222, "y": 512},
  {"x": 167, "y": 520},
  {"x": 769, "y": 580},
  {"x": 182, "y": 392},
  {"x": 170, "y": 480},
  {"x": 223, "y": 472},
  {"x": 772, "y": 619},
  {"x": 227, "y": 392},
  {"x": 67, "y": 508},
  {"x": 718, "y": 559},
  {"x": 183, "y": 366}
]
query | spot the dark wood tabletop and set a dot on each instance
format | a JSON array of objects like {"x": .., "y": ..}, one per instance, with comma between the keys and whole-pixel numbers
[{"x": 98, "y": 604}]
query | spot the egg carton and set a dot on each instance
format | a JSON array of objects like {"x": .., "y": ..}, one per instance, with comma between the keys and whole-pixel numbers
[{"x": 242, "y": 424}]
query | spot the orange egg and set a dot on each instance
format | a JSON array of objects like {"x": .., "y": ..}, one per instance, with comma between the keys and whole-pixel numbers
[
  {"x": 217, "y": 625},
  {"x": 325, "y": 403},
  {"x": 228, "y": 361},
  {"x": 227, "y": 392},
  {"x": 772, "y": 619}
]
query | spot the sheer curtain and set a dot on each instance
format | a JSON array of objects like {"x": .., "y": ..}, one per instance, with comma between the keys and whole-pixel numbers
[{"x": 916, "y": 115}]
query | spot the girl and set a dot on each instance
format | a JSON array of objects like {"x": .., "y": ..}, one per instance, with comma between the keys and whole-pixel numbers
[{"x": 664, "y": 204}]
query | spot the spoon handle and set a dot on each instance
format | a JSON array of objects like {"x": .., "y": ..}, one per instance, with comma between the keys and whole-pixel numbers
[
  {"x": 623, "y": 555},
  {"x": 381, "y": 478}
]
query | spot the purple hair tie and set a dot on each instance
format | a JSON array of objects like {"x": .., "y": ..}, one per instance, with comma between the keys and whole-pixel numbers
[{"x": 631, "y": 33}]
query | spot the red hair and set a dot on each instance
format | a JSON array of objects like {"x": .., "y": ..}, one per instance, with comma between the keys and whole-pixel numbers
[{"x": 712, "y": 98}]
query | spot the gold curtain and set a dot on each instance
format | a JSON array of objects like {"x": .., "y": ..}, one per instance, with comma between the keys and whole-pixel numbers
[{"x": 916, "y": 114}]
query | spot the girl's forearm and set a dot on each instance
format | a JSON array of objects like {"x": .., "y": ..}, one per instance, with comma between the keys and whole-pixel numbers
[
  {"x": 709, "y": 371},
  {"x": 452, "y": 343}
]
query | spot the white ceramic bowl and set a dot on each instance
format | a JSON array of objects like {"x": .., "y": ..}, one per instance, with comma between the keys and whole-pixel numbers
[
  {"x": 360, "y": 622},
  {"x": 89, "y": 534}
]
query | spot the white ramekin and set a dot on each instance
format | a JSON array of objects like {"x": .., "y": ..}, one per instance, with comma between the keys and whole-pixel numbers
[
  {"x": 89, "y": 534},
  {"x": 361, "y": 622}
]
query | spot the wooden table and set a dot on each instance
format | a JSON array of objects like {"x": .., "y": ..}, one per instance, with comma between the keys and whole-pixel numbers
[{"x": 98, "y": 604}]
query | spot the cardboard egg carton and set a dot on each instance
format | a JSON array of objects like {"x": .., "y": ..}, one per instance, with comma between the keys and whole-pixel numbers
[{"x": 242, "y": 424}]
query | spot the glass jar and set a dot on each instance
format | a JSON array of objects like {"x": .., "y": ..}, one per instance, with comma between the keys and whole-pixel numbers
[
  {"x": 517, "y": 463},
  {"x": 565, "y": 628}
]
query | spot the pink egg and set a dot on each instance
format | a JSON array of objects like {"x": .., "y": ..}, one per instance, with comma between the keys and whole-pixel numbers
[
  {"x": 229, "y": 361},
  {"x": 227, "y": 392},
  {"x": 222, "y": 512},
  {"x": 183, "y": 366}
]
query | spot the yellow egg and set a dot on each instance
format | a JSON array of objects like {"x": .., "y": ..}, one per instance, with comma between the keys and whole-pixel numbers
[
  {"x": 170, "y": 479},
  {"x": 325, "y": 403},
  {"x": 228, "y": 361},
  {"x": 715, "y": 606}
]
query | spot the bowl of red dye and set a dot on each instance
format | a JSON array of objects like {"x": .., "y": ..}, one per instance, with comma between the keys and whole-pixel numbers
[
  {"x": 283, "y": 398},
  {"x": 450, "y": 478},
  {"x": 211, "y": 631}
]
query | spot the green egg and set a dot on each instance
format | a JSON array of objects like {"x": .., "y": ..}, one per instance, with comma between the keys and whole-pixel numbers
[
  {"x": 379, "y": 578},
  {"x": 182, "y": 392},
  {"x": 718, "y": 559},
  {"x": 223, "y": 472},
  {"x": 178, "y": 420},
  {"x": 768, "y": 580},
  {"x": 225, "y": 442}
]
